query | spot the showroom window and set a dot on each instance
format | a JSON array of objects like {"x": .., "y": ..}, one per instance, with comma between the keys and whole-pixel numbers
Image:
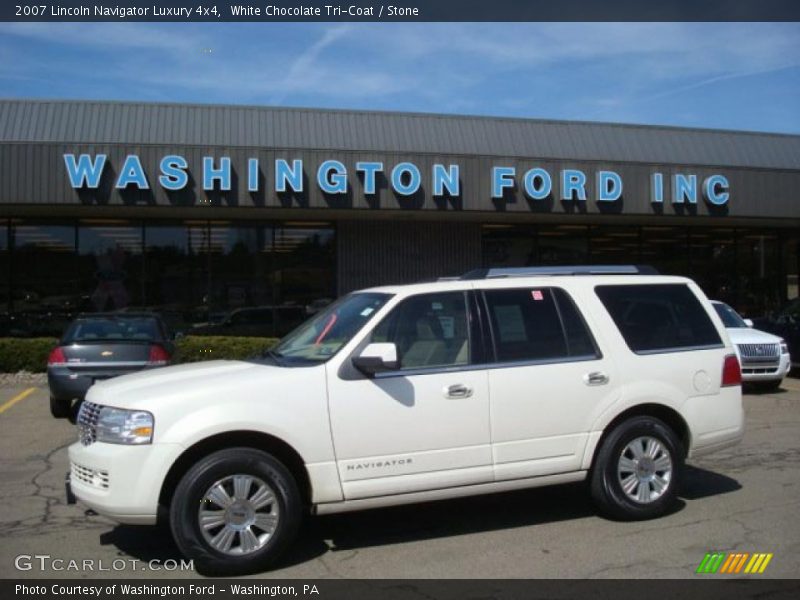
[
  {"x": 45, "y": 293},
  {"x": 5, "y": 284},
  {"x": 109, "y": 265},
  {"x": 194, "y": 273},
  {"x": 665, "y": 248},
  {"x": 760, "y": 269}
]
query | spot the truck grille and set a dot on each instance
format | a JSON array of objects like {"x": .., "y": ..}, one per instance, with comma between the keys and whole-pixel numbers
[
  {"x": 87, "y": 422},
  {"x": 760, "y": 353}
]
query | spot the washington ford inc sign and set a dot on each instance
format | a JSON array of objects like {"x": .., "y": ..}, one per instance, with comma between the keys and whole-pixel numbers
[{"x": 405, "y": 178}]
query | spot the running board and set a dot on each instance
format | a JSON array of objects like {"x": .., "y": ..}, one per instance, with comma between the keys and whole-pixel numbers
[{"x": 328, "y": 508}]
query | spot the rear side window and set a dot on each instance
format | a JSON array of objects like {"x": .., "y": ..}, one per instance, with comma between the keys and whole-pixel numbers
[
  {"x": 659, "y": 317},
  {"x": 537, "y": 324},
  {"x": 579, "y": 341}
]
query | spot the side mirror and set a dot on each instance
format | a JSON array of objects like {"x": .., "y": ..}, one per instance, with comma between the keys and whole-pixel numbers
[
  {"x": 748, "y": 322},
  {"x": 376, "y": 358}
]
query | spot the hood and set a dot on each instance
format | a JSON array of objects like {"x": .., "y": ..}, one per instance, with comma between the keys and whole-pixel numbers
[
  {"x": 746, "y": 335},
  {"x": 155, "y": 385}
]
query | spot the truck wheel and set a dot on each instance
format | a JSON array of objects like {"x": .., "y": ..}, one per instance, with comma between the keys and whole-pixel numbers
[
  {"x": 637, "y": 470},
  {"x": 235, "y": 512},
  {"x": 769, "y": 386},
  {"x": 60, "y": 409}
]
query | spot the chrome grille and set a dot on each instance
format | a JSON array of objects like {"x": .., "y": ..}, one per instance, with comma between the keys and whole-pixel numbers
[
  {"x": 95, "y": 478},
  {"x": 759, "y": 353},
  {"x": 87, "y": 422}
]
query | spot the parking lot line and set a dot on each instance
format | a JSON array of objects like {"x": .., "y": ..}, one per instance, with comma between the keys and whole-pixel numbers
[{"x": 21, "y": 396}]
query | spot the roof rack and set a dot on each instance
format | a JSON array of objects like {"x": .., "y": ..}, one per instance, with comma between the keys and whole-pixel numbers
[{"x": 497, "y": 273}]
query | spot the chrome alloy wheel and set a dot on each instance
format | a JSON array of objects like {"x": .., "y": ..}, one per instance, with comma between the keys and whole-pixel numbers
[
  {"x": 238, "y": 514},
  {"x": 644, "y": 469}
]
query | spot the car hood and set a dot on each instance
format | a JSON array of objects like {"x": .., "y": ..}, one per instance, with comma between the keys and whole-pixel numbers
[
  {"x": 746, "y": 335},
  {"x": 157, "y": 385}
]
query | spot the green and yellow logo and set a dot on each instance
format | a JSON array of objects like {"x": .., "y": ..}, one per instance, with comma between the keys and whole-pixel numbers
[{"x": 732, "y": 563}]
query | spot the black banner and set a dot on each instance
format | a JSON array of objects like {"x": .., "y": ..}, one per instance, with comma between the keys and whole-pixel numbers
[
  {"x": 402, "y": 10},
  {"x": 411, "y": 589}
]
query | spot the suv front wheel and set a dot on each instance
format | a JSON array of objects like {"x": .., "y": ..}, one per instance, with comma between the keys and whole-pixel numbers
[
  {"x": 637, "y": 470},
  {"x": 235, "y": 511}
]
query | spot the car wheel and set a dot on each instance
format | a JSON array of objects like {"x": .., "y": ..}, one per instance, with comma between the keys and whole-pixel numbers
[
  {"x": 235, "y": 512},
  {"x": 60, "y": 409},
  {"x": 637, "y": 470}
]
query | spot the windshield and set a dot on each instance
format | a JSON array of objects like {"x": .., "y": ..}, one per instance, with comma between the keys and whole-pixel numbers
[
  {"x": 113, "y": 329},
  {"x": 730, "y": 318},
  {"x": 320, "y": 338}
]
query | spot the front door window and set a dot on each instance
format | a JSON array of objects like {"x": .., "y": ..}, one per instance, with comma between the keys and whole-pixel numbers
[{"x": 429, "y": 330}]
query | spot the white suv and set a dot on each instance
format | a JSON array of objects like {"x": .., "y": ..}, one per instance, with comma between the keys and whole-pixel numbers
[
  {"x": 764, "y": 357},
  {"x": 499, "y": 380}
]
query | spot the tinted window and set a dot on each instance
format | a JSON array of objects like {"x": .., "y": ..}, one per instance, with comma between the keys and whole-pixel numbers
[
  {"x": 730, "y": 318},
  {"x": 579, "y": 341},
  {"x": 103, "y": 329},
  {"x": 658, "y": 317},
  {"x": 429, "y": 330},
  {"x": 527, "y": 325}
]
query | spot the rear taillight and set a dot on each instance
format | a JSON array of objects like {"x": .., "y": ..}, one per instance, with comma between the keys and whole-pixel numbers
[
  {"x": 158, "y": 356},
  {"x": 56, "y": 357},
  {"x": 731, "y": 371}
]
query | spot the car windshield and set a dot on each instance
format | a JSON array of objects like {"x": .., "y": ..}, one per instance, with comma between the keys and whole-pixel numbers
[
  {"x": 321, "y": 337},
  {"x": 730, "y": 318},
  {"x": 113, "y": 329}
]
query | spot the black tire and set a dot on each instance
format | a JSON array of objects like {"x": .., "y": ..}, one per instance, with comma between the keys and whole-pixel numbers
[
  {"x": 605, "y": 485},
  {"x": 60, "y": 409},
  {"x": 768, "y": 386},
  {"x": 189, "y": 494}
]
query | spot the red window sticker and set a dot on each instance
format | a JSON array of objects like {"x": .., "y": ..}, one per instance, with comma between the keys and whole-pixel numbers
[{"x": 537, "y": 295}]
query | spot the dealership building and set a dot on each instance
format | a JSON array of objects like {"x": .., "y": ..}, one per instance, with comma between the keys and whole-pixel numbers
[{"x": 198, "y": 210}]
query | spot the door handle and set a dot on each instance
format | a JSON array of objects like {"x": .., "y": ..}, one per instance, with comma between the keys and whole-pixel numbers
[
  {"x": 457, "y": 391},
  {"x": 595, "y": 378}
]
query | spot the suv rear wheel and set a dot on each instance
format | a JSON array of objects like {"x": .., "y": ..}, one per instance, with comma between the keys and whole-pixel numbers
[
  {"x": 235, "y": 511},
  {"x": 637, "y": 470}
]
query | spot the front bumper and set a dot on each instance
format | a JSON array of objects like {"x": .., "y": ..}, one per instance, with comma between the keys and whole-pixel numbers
[
  {"x": 121, "y": 482},
  {"x": 755, "y": 372}
]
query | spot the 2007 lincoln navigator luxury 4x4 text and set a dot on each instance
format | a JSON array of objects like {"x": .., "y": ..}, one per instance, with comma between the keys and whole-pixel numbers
[{"x": 498, "y": 380}]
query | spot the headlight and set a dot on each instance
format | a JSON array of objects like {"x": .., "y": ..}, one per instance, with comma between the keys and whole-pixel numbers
[
  {"x": 120, "y": 426},
  {"x": 784, "y": 347}
]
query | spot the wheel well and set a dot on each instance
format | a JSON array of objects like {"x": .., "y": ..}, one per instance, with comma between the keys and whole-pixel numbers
[
  {"x": 670, "y": 417},
  {"x": 251, "y": 439}
]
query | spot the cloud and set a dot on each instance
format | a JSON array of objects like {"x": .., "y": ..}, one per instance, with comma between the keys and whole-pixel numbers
[
  {"x": 98, "y": 35},
  {"x": 563, "y": 70},
  {"x": 301, "y": 68}
]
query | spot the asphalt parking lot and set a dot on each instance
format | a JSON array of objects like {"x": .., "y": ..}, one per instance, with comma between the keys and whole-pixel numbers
[{"x": 744, "y": 499}]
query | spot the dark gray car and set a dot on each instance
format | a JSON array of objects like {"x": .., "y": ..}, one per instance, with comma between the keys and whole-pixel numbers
[{"x": 101, "y": 346}]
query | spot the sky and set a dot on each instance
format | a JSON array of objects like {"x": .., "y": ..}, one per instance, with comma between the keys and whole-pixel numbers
[{"x": 717, "y": 75}]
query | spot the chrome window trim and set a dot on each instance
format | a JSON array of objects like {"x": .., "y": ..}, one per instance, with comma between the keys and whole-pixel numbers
[{"x": 486, "y": 366}]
